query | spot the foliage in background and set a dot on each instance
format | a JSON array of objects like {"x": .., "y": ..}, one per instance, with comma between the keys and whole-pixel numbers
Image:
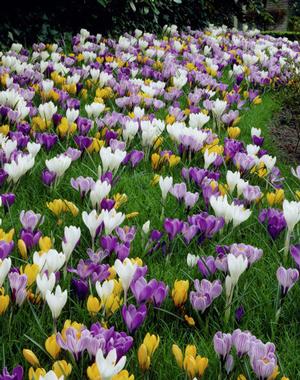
[{"x": 33, "y": 20}]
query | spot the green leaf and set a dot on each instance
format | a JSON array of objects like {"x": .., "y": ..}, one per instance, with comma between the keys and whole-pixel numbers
[{"x": 104, "y": 3}]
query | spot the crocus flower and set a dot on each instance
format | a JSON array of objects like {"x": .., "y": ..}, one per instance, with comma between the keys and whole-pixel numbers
[
  {"x": 18, "y": 284},
  {"x": 125, "y": 271},
  {"x": 165, "y": 185},
  {"x": 16, "y": 374},
  {"x": 134, "y": 317},
  {"x": 222, "y": 344},
  {"x": 205, "y": 293},
  {"x": 108, "y": 366},
  {"x": 56, "y": 301},
  {"x": 287, "y": 279}
]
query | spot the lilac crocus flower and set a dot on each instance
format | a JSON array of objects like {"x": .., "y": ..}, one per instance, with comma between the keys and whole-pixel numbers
[
  {"x": 179, "y": 191},
  {"x": 16, "y": 374},
  {"x": 287, "y": 279},
  {"x": 160, "y": 293},
  {"x": 262, "y": 359},
  {"x": 134, "y": 317},
  {"x": 82, "y": 184},
  {"x": 205, "y": 293},
  {"x": 241, "y": 341},
  {"x": 72, "y": 343},
  {"x": 222, "y": 344},
  {"x": 190, "y": 199},
  {"x": 18, "y": 284},
  {"x": 30, "y": 219}
]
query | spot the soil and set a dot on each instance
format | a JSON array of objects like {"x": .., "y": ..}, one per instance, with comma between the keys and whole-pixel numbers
[{"x": 285, "y": 132}]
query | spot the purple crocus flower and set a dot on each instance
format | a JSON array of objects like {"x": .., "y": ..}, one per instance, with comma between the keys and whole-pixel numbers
[
  {"x": 206, "y": 266},
  {"x": 8, "y": 199},
  {"x": 17, "y": 374},
  {"x": 6, "y": 248},
  {"x": 134, "y": 317},
  {"x": 72, "y": 343},
  {"x": 47, "y": 140},
  {"x": 274, "y": 219},
  {"x": 48, "y": 177},
  {"x": 81, "y": 288},
  {"x": 107, "y": 204},
  {"x": 143, "y": 290},
  {"x": 205, "y": 293},
  {"x": 287, "y": 279},
  {"x": 172, "y": 227},
  {"x": 239, "y": 314},
  {"x": 83, "y": 142},
  {"x": 295, "y": 253},
  {"x": 108, "y": 243},
  {"x": 222, "y": 344},
  {"x": 160, "y": 293},
  {"x": 190, "y": 199}
]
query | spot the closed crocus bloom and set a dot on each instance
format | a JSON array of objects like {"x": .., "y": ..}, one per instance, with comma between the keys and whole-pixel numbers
[
  {"x": 123, "y": 375},
  {"x": 291, "y": 212},
  {"x": 151, "y": 342},
  {"x": 71, "y": 238},
  {"x": 180, "y": 292},
  {"x": 4, "y": 301},
  {"x": 276, "y": 197},
  {"x": 93, "y": 305},
  {"x": 56, "y": 301},
  {"x": 190, "y": 366},
  {"x": 62, "y": 368},
  {"x": 232, "y": 179},
  {"x": 202, "y": 364},
  {"x": 5, "y": 266},
  {"x": 45, "y": 282},
  {"x": 31, "y": 271},
  {"x": 143, "y": 358},
  {"x": 233, "y": 132},
  {"x": 112, "y": 219},
  {"x": 22, "y": 249},
  {"x": 31, "y": 357},
  {"x": 36, "y": 374},
  {"x": 165, "y": 185},
  {"x": 178, "y": 355},
  {"x": 222, "y": 344},
  {"x": 125, "y": 271},
  {"x": 52, "y": 347},
  {"x": 105, "y": 290},
  {"x": 287, "y": 278},
  {"x": 99, "y": 191},
  {"x": 146, "y": 227},
  {"x": 209, "y": 158},
  {"x": 108, "y": 366},
  {"x": 59, "y": 164},
  {"x": 92, "y": 221},
  {"x": 236, "y": 266}
]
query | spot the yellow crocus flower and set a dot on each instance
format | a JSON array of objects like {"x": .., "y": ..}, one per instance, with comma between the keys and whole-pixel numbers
[
  {"x": 30, "y": 357},
  {"x": 62, "y": 368},
  {"x": 52, "y": 347},
  {"x": 4, "y": 301},
  {"x": 180, "y": 292},
  {"x": 93, "y": 305}
]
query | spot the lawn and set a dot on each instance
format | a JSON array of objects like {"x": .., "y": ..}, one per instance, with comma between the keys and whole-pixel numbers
[{"x": 255, "y": 302}]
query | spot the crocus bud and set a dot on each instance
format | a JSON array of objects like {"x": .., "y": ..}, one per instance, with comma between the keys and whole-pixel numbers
[
  {"x": 178, "y": 355},
  {"x": 93, "y": 305},
  {"x": 52, "y": 347},
  {"x": 143, "y": 358},
  {"x": 31, "y": 358},
  {"x": 62, "y": 368},
  {"x": 180, "y": 292}
]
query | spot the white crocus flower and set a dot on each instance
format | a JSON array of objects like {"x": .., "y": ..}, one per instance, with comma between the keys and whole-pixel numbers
[
  {"x": 92, "y": 221},
  {"x": 94, "y": 109},
  {"x": 72, "y": 115},
  {"x": 218, "y": 108},
  {"x": 146, "y": 227},
  {"x": 47, "y": 110},
  {"x": 112, "y": 219},
  {"x": 71, "y": 238},
  {"x": 99, "y": 191},
  {"x": 5, "y": 266},
  {"x": 111, "y": 160},
  {"x": 232, "y": 179},
  {"x": 130, "y": 130},
  {"x": 56, "y": 301},
  {"x": 291, "y": 213},
  {"x": 192, "y": 260},
  {"x": 33, "y": 148},
  {"x": 198, "y": 120},
  {"x": 209, "y": 158},
  {"x": 51, "y": 375},
  {"x": 51, "y": 261},
  {"x": 59, "y": 164},
  {"x": 105, "y": 289},
  {"x": 108, "y": 367},
  {"x": 255, "y": 132},
  {"x": 165, "y": 185},
  {"x": 44, "y": 283},
  {"x": 125, "y": 271},
  {"x": 236, "y": 266},
  {"x": 17, "y": 168}
]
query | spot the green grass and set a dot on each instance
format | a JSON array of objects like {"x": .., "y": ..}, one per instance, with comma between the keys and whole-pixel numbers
[{"x": 29, "y": 326}]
